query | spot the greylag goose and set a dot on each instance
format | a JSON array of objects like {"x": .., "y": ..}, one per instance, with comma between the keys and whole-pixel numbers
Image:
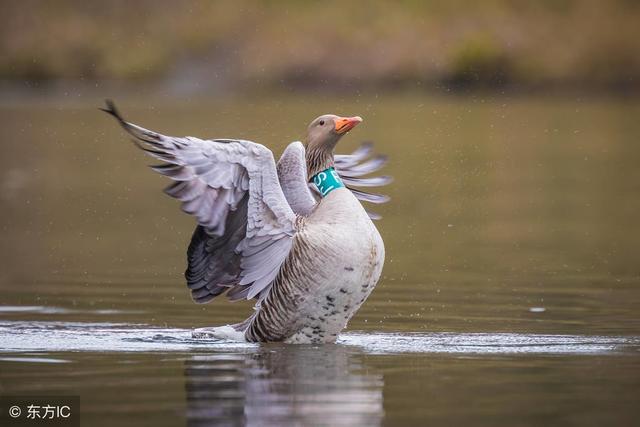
[{"x": 305, "y": 249}]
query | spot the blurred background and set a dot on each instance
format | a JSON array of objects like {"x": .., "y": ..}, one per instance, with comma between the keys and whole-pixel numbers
[
  {"x": 206, "y": 48},
  {"x": 511, "y": 127},
  {"x": 512, "y": 130}
]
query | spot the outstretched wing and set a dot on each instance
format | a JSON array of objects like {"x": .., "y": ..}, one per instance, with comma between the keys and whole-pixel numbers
[{"x": 245, "y": 225}]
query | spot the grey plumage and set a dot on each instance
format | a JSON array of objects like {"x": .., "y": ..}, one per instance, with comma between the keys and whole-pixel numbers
[
  {"x": 214, "y": 176},
  {"x": 292, "y": 173}
]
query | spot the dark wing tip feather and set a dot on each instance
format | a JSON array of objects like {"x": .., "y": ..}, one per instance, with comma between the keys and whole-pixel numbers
[
  {"x": 112, "y": 110},
  {"x": 139, "y": 133}
]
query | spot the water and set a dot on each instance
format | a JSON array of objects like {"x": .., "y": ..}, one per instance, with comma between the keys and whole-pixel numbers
[
  {"x": 46, "y": 336},
  {"x": 509, "y": 295}
]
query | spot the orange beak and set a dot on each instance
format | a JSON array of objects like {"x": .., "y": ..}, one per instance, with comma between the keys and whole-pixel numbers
[{"x": 345, "y": 124}]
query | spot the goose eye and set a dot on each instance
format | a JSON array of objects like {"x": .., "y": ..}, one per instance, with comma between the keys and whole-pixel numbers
[{"x": 321, "y": 122}]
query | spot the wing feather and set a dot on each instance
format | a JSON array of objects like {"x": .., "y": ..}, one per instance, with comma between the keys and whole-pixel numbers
[
  {"x": 245, "y": 223},
  {"x": 292, "y": 172},
  {"x": 352, "y": 169}
]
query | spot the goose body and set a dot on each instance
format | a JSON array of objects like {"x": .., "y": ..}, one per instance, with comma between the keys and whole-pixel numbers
[
  {"x": 335, "y": 263},
  {"x": 309, "y": 259}
]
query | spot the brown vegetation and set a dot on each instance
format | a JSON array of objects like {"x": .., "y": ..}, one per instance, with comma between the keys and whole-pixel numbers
[{"x": 588, "y": 43}]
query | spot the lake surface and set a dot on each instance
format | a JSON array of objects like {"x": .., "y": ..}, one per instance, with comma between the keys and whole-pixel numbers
[{"x": 509, "y": 296}]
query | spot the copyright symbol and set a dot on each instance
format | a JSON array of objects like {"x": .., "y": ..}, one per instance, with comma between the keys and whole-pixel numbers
[{"x": 15, "y": 411}]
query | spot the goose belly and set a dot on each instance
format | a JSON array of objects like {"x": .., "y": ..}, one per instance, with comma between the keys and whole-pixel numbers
[{"x": 343, "y": 262}]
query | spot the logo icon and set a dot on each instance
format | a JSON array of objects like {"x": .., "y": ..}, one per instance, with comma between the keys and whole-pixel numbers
[{"x": 15, "y": 411}]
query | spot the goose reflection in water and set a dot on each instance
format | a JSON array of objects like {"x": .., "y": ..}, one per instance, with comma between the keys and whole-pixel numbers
[{"x": 283, "y": 385}]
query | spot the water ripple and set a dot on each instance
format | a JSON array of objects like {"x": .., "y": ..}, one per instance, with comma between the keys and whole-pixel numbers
[
  {"x": 21, "y": 336},
  {"x": 489, "y": 343}
]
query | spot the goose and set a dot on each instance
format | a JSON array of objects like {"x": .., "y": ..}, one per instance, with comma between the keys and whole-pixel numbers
[{"x": 292, "y": 235}]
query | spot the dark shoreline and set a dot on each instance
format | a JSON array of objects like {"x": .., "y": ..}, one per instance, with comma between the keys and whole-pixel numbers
[{"x": 72, "y": 91}]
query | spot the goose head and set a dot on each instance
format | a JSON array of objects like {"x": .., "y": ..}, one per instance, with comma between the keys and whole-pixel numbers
[{"x": 323, "y": 134}]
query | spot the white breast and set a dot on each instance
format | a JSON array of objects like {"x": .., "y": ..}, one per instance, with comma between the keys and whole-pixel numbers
[{"x": 344, "y": 259}]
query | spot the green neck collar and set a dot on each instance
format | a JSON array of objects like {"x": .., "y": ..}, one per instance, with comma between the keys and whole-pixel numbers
[{"x": 327, "y": 181}]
